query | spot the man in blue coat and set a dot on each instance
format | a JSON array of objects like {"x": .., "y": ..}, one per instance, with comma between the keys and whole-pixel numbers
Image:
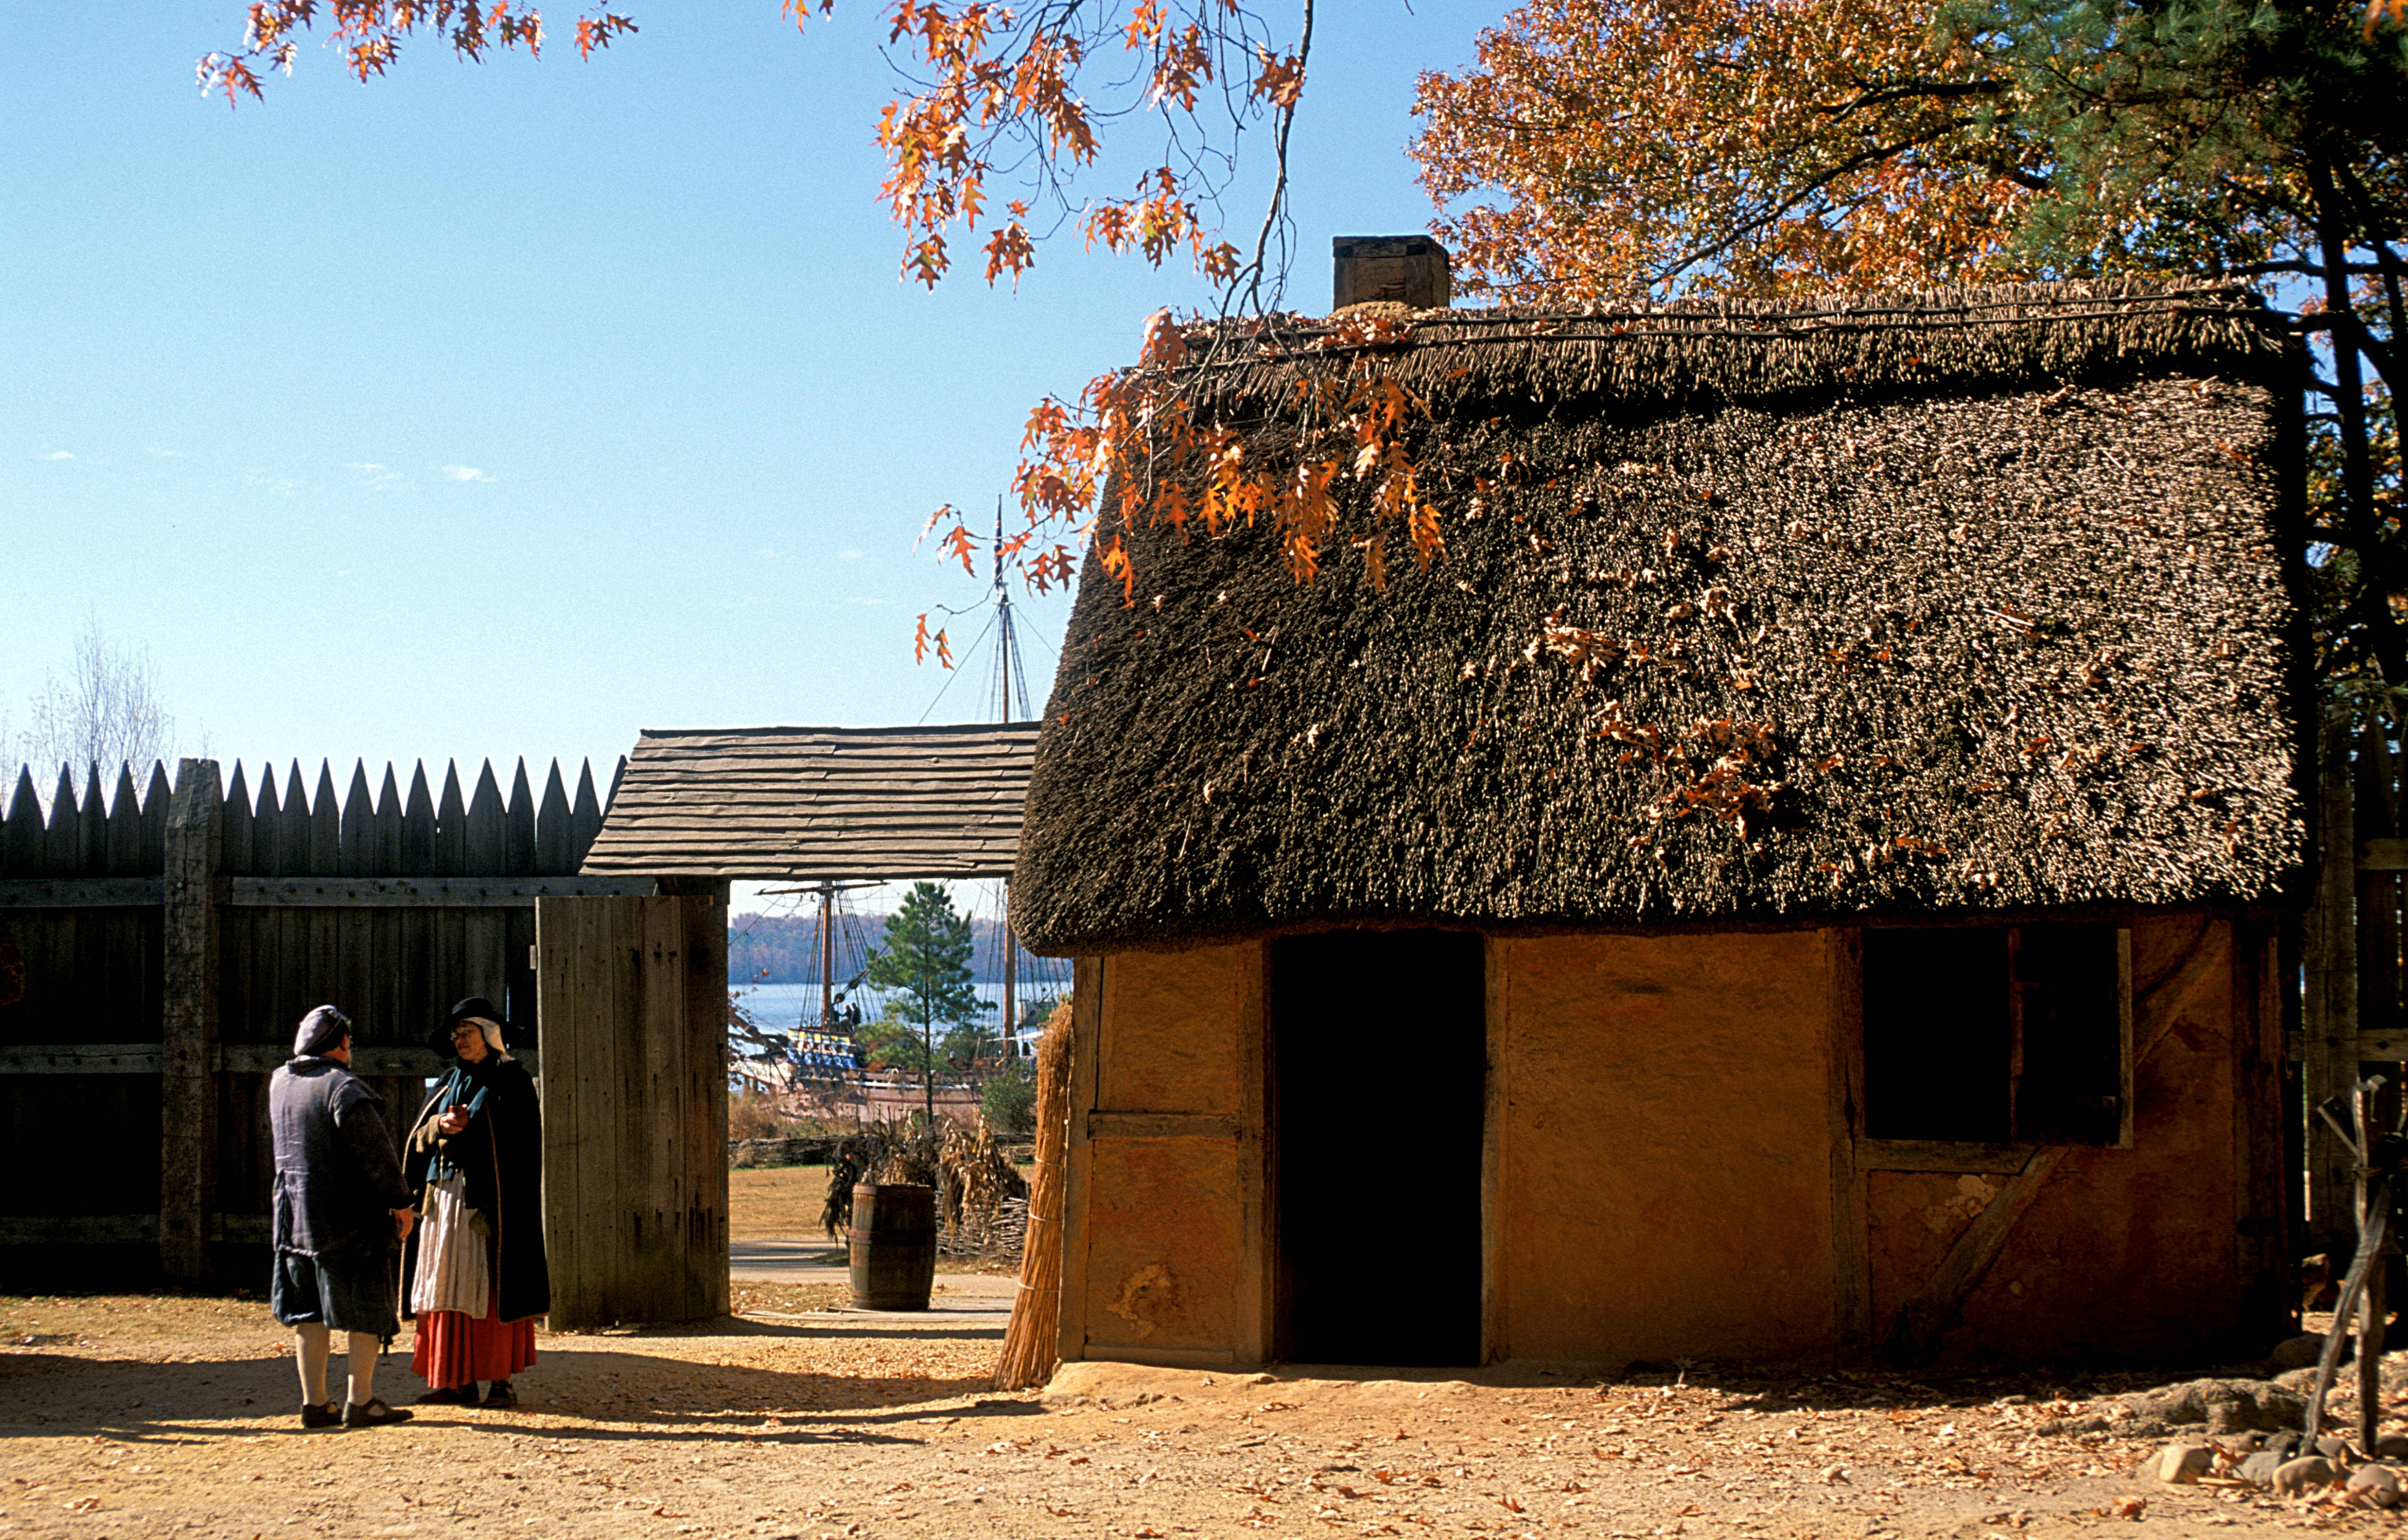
[{"x": 340, "y": 1207}]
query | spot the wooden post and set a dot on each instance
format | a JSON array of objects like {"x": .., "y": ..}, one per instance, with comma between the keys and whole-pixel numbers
[
  {"x": 1851, "y": 1253},
  {"x": 2329, "y": 1043},
  {"x": 1010, "y": 975},
  {"x": 2370, "y": 1303},
  {"x": 188, "y": 1099},
  {"x": 1086, "y": 1035}
]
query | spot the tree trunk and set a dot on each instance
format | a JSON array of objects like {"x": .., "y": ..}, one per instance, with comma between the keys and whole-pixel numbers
[{"x": 2375, "y": 585}]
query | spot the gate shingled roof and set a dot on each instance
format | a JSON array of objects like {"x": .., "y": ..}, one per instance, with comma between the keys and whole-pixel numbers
[{"x": 820, "y": 804}]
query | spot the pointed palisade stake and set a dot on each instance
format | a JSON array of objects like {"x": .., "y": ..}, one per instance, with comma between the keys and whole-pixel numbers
[
  {"x": 154, "y": 820},
  {"x": 358, "y": 823},
  {"x": 124, "y": 848},
  {"x": 62, "y": 844},
  {"x": 518, "y": 849},
  {"x": 325, "y": 825},
  {"x": 418, "y": 827},
  {"x": 585, "y": 819},
  {"x": 384, "y": 858},
  {"x": 452, "y": 825},
  {"x": 551, "y": 831},
  {"x": 235, "y": 855},
  {"x": 21, "y": 849}
]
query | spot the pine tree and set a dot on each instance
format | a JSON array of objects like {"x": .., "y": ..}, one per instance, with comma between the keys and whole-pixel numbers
[{"x": 927, "y": 957}]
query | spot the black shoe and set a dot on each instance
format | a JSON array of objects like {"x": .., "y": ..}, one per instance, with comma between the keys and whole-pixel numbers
[
  {"x": 457, "y": 1396},
  {"x": 500, "y": 1394},
  {"x": 375, "y": 1414},
  {"x": 320, "y": 1416}
]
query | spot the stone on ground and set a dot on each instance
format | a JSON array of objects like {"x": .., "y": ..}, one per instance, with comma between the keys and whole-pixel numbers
[
  {"x": 2305, "y": 1474},
  {"x": 2183, "y": 1462},
  {"x": 2224, "y": 1406},
  {"x": 2375, "y": 1485}
]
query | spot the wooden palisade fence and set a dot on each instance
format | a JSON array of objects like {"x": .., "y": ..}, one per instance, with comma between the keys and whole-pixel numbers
[{"x": 170, "y": 937}]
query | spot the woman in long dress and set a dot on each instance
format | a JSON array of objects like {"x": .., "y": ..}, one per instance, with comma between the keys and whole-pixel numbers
[{"x": 478, "y": 1279}]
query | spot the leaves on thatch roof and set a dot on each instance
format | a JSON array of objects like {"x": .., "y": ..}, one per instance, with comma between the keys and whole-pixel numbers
[{"x": 1952, "y": 603}]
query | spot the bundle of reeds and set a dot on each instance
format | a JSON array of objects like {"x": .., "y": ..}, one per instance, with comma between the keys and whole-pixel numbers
[{"x": 1032, "y": 1344}]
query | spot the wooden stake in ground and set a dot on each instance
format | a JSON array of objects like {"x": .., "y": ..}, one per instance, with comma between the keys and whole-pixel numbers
[
  {"x": 2364, "y": 1283},
  {"x": 1030, "y": 1346},
  {"x": 2370, "y": 1331}
]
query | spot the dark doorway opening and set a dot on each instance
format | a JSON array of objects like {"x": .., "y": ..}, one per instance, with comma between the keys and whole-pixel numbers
[{"x": 1379, "y": 1066}]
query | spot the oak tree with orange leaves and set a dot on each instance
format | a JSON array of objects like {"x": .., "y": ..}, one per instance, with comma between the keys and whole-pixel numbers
[{"x": 1654, "y": 147}]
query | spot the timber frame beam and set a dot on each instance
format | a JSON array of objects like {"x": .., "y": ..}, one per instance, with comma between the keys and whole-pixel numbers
[
  {"x": 321, "y": 893},
  {"x": 188, "y": 1099}
]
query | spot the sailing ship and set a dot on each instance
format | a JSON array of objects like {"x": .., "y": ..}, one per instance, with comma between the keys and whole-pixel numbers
[{"x": 820, "y": 1055}]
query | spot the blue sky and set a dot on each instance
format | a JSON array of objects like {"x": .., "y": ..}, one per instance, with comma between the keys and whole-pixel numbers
[{"x": 507, "y": 409}]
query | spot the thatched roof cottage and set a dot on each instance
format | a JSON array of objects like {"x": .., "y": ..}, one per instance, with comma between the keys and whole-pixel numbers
[{"x": 1798, "y": 879}]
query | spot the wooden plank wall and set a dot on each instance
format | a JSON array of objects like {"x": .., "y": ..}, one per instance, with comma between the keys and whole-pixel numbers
[
  {"x": 84, "y": 897},
  {"x": 635, "y": 1099},
  {"x": 92, "y": 977}
]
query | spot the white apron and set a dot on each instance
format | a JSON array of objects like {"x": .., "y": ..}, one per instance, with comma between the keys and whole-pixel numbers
[{"x": 451, "y": 1273}]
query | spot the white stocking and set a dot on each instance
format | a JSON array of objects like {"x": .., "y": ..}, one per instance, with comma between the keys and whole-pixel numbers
[
  {"x": 310, "y": 1344},
  {"x": 364, "y": 1362}
]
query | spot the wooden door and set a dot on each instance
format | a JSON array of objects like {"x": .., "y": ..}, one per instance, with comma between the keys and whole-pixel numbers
[{"x": 632, "y": 998}]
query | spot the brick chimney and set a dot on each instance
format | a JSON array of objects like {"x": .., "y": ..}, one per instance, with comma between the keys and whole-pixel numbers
[{"x": 1410, "y": 269}]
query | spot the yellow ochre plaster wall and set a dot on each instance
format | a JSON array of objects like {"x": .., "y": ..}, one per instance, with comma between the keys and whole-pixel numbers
[
  {"x": 1670, "y": 1171},
  {"x": 1660, "y": 1181}
]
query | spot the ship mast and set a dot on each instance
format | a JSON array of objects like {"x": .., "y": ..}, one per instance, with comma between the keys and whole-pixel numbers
[
  {"x": 828, "y": 955},
  {"x": 1004, "y": 650}
]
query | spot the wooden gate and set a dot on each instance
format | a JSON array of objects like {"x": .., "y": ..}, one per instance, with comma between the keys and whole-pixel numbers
[{"x": 633, "y": 996}]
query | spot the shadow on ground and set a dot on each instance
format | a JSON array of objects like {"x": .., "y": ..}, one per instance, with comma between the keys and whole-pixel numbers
[
  {"x": 579, "y": 1388},
  {"x": 1767, "y": 1391}
]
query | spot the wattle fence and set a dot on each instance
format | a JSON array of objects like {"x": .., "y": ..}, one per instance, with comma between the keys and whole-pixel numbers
[{"x": 159, "y": 942}]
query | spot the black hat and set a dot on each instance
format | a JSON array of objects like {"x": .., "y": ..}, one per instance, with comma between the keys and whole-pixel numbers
[{"x": 479, "y": 1010}]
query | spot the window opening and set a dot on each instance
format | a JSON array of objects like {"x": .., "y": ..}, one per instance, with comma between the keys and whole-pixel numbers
[{"x": 2009, "y": 1034}]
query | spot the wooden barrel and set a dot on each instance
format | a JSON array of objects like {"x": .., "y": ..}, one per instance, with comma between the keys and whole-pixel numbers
[{"x": 893, "y": 1244}]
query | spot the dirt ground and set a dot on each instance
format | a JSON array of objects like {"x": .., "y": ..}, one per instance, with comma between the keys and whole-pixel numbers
[{"x": 176, "y": 1416}]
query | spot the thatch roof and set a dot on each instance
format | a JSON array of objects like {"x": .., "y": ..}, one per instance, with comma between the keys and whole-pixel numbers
[
  {"x": 819, "y": 804},
  {"x": 1977, "y": 601}
]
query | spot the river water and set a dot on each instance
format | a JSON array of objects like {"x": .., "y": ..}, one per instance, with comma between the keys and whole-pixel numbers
[{"x": 783, "y": 1008}]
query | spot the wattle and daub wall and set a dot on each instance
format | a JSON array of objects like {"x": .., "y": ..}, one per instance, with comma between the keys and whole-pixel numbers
[{"x": 1672, "y": 1173}]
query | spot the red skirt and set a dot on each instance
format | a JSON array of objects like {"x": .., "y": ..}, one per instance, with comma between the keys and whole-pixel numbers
[{"x": 452, "y": 1348}]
